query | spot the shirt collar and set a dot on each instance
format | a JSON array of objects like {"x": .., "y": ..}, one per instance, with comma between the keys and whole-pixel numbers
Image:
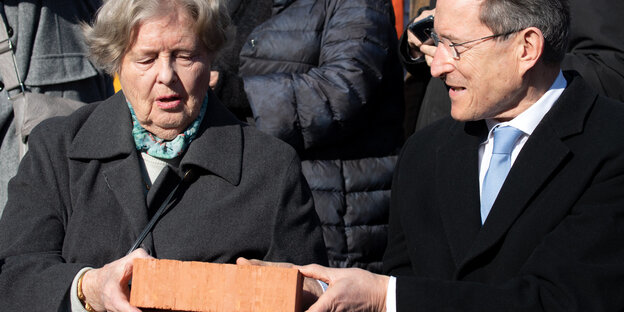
[{"x": 528, "y": 120}]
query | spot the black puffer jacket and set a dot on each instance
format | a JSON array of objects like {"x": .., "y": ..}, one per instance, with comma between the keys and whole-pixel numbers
[{"x": 323, "y": 76}]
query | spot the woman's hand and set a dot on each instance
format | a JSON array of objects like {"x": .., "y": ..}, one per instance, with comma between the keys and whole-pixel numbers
[
  {"x": 106, "y": 288},
  {"x": 418, "y": 48}
]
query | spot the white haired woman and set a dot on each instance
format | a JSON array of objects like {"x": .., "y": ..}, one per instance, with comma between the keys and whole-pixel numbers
[{"x": 92, "y": 181}]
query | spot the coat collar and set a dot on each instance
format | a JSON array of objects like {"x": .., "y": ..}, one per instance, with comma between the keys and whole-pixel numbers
[
  {"x": 105, "y": 136},
  {"x": 218, "y": 147},
  {"x": 458, "y": 158}
]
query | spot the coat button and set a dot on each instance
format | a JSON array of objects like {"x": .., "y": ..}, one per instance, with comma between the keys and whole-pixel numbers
[
  {"x": 253, "y": 43},
  {"x": 10, "y": 31},
  {"x": 1, "y": 86}
]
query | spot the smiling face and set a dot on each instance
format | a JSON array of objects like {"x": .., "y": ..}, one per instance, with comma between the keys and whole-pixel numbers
[
  {"x": 165, "y": 74},
  {"x": 486, "y": 81}
]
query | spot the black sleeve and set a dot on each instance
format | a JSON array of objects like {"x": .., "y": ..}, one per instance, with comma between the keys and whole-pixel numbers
[{"x": 34, "y": 275}]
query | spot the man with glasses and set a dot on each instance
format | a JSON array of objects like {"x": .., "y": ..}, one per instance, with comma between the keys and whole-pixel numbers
[
  {"x": 516, "y": 203},
  {"x": 595, "y": 50}
]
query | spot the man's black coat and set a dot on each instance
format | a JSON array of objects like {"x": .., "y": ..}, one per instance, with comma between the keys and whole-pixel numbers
[{"x": 554, "y": 240}]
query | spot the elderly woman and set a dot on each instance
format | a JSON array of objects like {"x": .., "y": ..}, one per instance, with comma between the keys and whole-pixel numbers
[{"x": 93, "y": 180}]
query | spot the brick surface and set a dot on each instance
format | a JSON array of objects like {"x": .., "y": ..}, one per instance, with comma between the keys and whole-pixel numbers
[{"x": 172, "y": 285}]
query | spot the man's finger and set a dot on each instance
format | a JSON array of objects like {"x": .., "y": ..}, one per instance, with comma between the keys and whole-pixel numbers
[
  {"x": 428, "y": 59},
  {"x": 316, "y": 271},
  {"x": 428, "y": 49},
  {"x": 323, "y": 304}
]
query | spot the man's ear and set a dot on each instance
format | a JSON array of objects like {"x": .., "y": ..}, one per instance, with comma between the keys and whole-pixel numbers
[{"x": 530, "y": 48}]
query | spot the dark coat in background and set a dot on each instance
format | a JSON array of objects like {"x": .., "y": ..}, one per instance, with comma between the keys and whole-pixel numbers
[
  {"x": 553, "y": 240},
  {"x": 323, "y": 75},
  {"x": 246, "y": 15},
  {"x": 596, "y": 46},
  {"x": 79, "y": 200},
  {"x": 51, "y": 57}
]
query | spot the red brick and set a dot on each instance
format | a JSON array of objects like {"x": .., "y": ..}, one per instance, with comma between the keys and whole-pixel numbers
[{"x": 172, "y": 285}]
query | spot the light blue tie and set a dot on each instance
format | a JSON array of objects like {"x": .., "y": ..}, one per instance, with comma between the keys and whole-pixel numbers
[{"x": 500, "y": 163}]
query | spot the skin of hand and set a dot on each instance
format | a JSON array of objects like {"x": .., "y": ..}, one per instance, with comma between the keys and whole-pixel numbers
[
  {"x": 417, "y": 48},
  {"x": 106, "y": 288},
  {"x": 349, "y": 289},
  {"x": 214, "y": 78}
]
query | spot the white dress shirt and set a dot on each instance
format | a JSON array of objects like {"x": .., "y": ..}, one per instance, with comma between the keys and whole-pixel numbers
[{"x": 527, "y": 121}]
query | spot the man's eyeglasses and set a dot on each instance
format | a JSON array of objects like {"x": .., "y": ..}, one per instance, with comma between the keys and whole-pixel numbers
[{"x": 453, "y": 46}]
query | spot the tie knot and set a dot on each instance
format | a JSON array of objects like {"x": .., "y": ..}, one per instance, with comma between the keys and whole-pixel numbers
[{"x": 504, "y": 139}]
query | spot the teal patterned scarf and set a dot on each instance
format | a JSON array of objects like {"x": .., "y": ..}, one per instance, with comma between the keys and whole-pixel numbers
[{"x": 154, "y": 146}]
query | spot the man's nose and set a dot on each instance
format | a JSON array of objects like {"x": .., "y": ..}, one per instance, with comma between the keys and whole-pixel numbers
[{"x": 442, "y": 62}]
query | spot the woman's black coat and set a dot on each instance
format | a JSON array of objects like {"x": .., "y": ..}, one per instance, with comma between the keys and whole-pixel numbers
[{"x": 79, "y": 200}]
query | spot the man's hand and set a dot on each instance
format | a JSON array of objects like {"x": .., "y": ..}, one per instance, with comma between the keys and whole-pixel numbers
[
  {"x": 106, "y": 288},
  {"x": 349, "y": 289},
  {"x": 418, "y": 48}
]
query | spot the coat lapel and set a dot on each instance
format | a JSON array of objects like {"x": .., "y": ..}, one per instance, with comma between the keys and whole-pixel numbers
[
  {"x": 542, "y": 155},
  {"x": 124, "y": 178},
  {"x": 459, "y": 194},
  {"x": 105, "y": 136},
  {"x": 218, "y": 149}
]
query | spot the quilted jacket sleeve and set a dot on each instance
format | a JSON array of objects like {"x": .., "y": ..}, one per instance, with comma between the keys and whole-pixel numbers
[{"x": 313, "y": 72}]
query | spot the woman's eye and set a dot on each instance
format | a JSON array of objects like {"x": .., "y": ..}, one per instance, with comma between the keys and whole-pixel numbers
[
  {"x": 184, "y": 58},
  {"x": 146, "y": 61}
]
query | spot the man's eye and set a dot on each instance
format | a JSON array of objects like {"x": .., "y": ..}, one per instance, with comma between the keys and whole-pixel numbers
[{"x": 447, "y": 42}]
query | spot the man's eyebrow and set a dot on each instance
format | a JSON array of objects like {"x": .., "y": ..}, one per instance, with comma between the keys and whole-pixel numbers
[{"x": 449, "y": 37}]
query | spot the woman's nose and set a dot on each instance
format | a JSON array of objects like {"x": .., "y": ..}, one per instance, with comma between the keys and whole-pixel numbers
[{"x": 166, "y": 72}]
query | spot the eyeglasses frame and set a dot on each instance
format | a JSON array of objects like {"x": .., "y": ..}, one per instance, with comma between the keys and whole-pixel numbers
[{"x": 436, "y": 40}]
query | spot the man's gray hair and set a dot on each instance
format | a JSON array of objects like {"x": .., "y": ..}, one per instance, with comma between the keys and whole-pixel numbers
[
  {"x": 552, "y": 17},
  {"x": 114, "y": 29}
]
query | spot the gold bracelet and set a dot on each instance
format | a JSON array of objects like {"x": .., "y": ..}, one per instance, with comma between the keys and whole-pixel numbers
[{"x": 81, "y": 295}]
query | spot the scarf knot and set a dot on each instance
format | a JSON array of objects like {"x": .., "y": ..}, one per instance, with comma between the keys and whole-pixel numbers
[{"x": 149, "y": 143}]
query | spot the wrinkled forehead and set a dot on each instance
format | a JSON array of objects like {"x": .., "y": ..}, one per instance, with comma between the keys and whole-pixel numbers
[
  {"x": 458, "y": 18},
  {"x": 175, "y": 20}
]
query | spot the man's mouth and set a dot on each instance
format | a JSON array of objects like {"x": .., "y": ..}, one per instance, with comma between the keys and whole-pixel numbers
[
  {"x": 454, "y": 91},
  {"x": 456, "y": 88}
]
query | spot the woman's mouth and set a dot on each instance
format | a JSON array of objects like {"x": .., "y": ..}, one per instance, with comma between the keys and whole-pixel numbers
[{"x": 168, "y": 102}]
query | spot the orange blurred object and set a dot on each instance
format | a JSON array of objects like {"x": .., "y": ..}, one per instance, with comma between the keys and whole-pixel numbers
[
  {"x": 398, "y": 16},
  {"x": 116, "y": 84}
]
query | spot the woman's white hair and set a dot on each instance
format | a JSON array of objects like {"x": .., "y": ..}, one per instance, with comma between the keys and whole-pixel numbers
[{"x": 116, "y": 23}]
